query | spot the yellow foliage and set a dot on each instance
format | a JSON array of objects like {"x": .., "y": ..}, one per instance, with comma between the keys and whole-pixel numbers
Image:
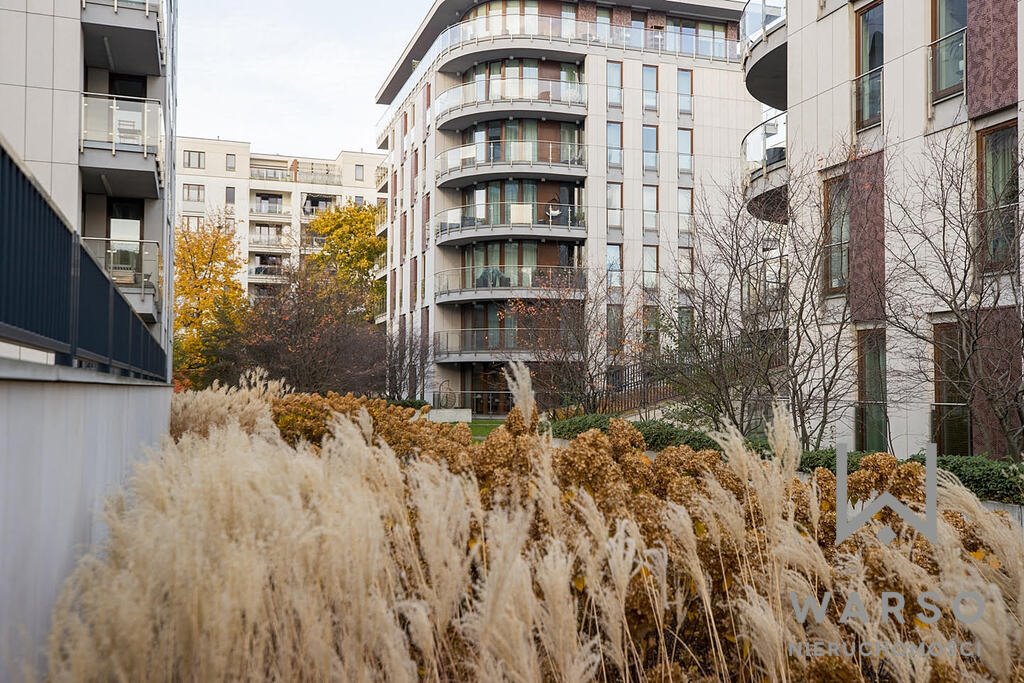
[{"x": 351, "y": 246}]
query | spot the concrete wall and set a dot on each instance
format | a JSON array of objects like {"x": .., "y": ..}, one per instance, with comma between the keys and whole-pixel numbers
[{"x": 65, "y": 444}]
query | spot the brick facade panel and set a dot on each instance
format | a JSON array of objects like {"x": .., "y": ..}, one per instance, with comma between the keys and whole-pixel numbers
[{"x": 991, "y": 56}]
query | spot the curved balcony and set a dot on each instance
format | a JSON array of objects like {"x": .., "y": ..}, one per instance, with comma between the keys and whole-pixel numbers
[
  {"x": 764, "y": 151},
  {"x": 471, "y": 103},
  {"x": 481, "y": 161},
  {"x": 508, "y": 282},
  {"x": 488, "y": 344},
  {"x": 510, "y": 220},
  {"x": 763, "y": 39}
]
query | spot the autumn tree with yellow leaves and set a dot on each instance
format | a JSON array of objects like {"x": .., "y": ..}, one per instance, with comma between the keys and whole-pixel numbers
[{"x": 351, "y": 248}]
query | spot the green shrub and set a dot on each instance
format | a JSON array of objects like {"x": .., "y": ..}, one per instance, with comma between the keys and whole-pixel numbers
[
  {"x": 408, "y": 403},
  {"x": 812, "y": 460},
  {"x": 571, "y": 427},
  {"x": 659, "y": 435},
  {"x": 987, "y": 479}
]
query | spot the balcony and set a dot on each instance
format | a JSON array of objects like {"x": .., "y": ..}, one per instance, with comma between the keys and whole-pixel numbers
[
  {"x": 319, "y": 178},
  {"x": 482, "y": 161},
  {"x": 269, "y": 243},
  {"x": 509, "y": 282},
  {"x": 948, "y": 59},
  {"x": 763, "y": 40},
  {"x": 269, "y": 274},
  {"x": 470, "y": 103},
  {"x": 381, "y": 177},
  {"x": 867, "y": 99},
  {"x": 764, "y": 152},
  {"x": 280, "y": 175},
  {"x": 380, "y": 266},
  {"x": 310, "y": 212},
  {"x": 131, "y": 34},
  {"x": 136, "y": 268},
  {"x": 492, "y": 344},
  {"x": 510, "y": 220},
  {"x": 122, "y": 146},
  {"x": 270, "y": 210},
  {"x": 312, "y": 242}
]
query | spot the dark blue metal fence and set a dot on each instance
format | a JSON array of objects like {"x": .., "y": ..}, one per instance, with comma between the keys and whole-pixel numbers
[{"x": 54, "y": 296}]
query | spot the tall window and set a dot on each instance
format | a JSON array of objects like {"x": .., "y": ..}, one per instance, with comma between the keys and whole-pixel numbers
[
  {"x": 872, "y": 429},
  {"x": 837, "y": 235},
  {"x": 229, "y": 162},
  {"x": 870, "y": 58},
  {"x": 194, "y": 193},
  {"x": 650, "y": 82},
  {"x": 614, "y": 263},
  {"x": 360, "y": 170},
  {"x": 650, "y": 199},
  {"x": 951, "y": 415},
  {"x": 652, "y": 341},
  {"x": 229, "y": 195},
  {"x": 614, "y": 145},
  {"x": 650, "y": 143},
  {"x": 949, "y": 25},
  {"x": 615, "y": 205},
  {"x": 194, "y": 159},
  {"x": 998, "y": 195},
  {"x": 616, "y": 329},
  {"x": 684, "y": 141},
  {"x": 615, "y": 84},
  {"x": 684, "y": 86},
  {"x": 650, "y": 267},
  {"x": 604, "y": 23},
  {"x": 684, "y": 197}
]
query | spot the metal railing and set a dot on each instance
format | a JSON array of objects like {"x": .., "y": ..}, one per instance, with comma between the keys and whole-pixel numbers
[
  {"x": 130, "y": 264},
  {"x": 948, "y": 57},
  {"x": 511, "y": 90},
  {"x": 283, "y": 175},
  {"x": 381, "y": 176},
  {"x": 272, "y": 240},
  {"x": 317, "y": 178},
  {"x": 314, "y": 210},
  {"x": 126, "y": 124},
  {"x": 489, "y": 340},
  {"x": 266, "y": 270},
  {"x": 157, "y": 7},
  {"x": 759, "y": 17},
  {"x": 480, "y": 402},
  {"x": 512, "y": 152},
  {"x": 497, "y": 278},
  {"x": 867, "y": 99},
  {"x": 496, "y": 214},
  {"x": 268, "y": 209},
  {"x": 559, "y": 30},
  {"x": 54, "y": 296},
  {"x": 764, "y": 147}
]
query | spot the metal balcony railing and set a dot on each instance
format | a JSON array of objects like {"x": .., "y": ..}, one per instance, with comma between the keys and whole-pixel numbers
[
  {"x": 125, "y": 124},
  {"x": 498, "y": 278},
  {"x": 269, "y": 209},
  {"x": 491, "y": 340},
  {"x": 764, "y": 147},
  {"x": 266, "y": 270},
  {"x": 867, "y": 99},
  {"x": 514, "y": 152},
  {"x": 759, "y": 17},
  {"x": 149, "y": 7},
  {"x": 948, "y": 57},
  {"x": 475, "y": 216},
  {"x": 130, "y": 264},
  {"x": 480, "y": 402},
  {"x": 511, "y": 90},
  {"x": 271, "y": 240}
]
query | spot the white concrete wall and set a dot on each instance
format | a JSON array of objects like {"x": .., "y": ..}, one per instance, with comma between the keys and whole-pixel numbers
[{"x": 64, "y": 446}]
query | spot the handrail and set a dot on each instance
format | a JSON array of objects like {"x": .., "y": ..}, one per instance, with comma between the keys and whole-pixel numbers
[
  {"x": 487, "y": 339},
  {"x": 474, "y": 278},
  {"x": 758, "y": 17},
  {"x": 765, "y": 145},
  {"x": 136, "y": 122},
  {"x": 512, "y": 152},
  {"x": 510, "y": 90},
  {"x": 509, "y": 213},
  {"x": 867, "y": 98},
  {"x": 948, "y": 57},
  {"x": 556, "y": 29}
]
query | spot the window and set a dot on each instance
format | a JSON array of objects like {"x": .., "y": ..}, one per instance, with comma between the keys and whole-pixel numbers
[
  {"x": 229, "y": 162},
  {"x": 650, "y": 83},
  {"x": 229, "y": 195},
  {"x": 872, "y": 429},
  {"x": 359, "y": 200},
  {"x": 650, "y": 203},
  {"x": 635, "y": 34},
  {"x": 951, "y": 414},
  {"x": 614, "y": 145},
  {"x": 616, "y": 329},
  {"x": 615, "y": 205},
  {"x": 837, "y": 235},
  {"x": 949, "y": 25},
  {"x": 652, "y": 326},
  {"x": 684, "y": 198},
  {"x": 684, "y": 141},
  {"x": 870, "y": 58},
  {"x": 650, "y": 267},
  {"x": 194, "y": 193},
  {"x": 684, "y": 86},
  {"x": 615, "y": 84},
  {"x": 650, "y": 143},
  {"x": 359, "y": 172},
  {"x": 604, "y": 23},
  {"x": 998, "y": 196},
  {"x": 191, "y": 222},
  {"x": 614, "y": 256},
  {"x": 194, "y": 159}
]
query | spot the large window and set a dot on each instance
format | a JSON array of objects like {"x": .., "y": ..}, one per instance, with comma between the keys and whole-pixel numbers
[
  {"x": 616, "y": 329},
  {"x": 951, "y": 415},
  {"x": 615, "y": 84},
  {"x": 650, "y": 143},
  {"x": 837, "y": 235},
  {"x": 650, "y": 199},
  {"x": 684, "y": 140},
  {"x": 872, "y": 425},
  {"x": 614, "y": 264},
  {"x": 615, "y": 205},
  {"x": 359, "y": 170},
  {"x": 998, "y": 196},
  {"x": 949, "y": 26},
  {"x": 229, "y": 162},
  {"x": 650, "y": 82},
  {"x": 650, "y": 267},
  {"x": 870, "y": 58},
  {"x": 194, "y": 159},
  {"x": 614, "y": 145},
  {"x": 194, "y": 193},
  {"x": 684, "y": 86}
]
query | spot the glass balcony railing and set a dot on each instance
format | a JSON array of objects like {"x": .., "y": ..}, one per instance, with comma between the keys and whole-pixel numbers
[
  {"x": 265, "y": 240},
  {"x": 268, "y": 209},
  {"x": 759, "y": 17},
  {"x": 511, "y": 90},
  {"x": 559, "y": 30},
  {"x": 123, "y": 124},
  {"x": 507, "y": 214},
  {"x": 480, "y": 402},
  {"x": 130, "y": 264},
  {"x": 314, "y": 210},
  {"x": 279, "y": 174},
  {"x": 496, "y": 278},
  {"x": 491, "y": 340},
  {"x": 867, "y": 99},
  {"x": 502, "y": 152},
  {"x": 267, "y": 270},
  {"x": 764, "y": 147},
  {"x": 948, "y": 60}
]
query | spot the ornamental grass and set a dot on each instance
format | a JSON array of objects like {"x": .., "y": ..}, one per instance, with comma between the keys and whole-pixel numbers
[{"x": 293, "y": 537}]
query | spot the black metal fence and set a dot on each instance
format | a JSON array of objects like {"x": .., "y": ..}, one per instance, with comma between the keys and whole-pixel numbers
[{"x": 55, "y": 297}]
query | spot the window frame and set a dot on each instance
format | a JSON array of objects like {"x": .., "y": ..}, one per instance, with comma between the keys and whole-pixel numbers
[
  {"x": 609, "y": 209},
  {"x": 610, "y": 148},
  {"x": 188, "y": 188},
  {"x": 987, "y": 263},
  {"x": 865, "y": 123},
  {"x": 688, "y": 95},
  {"x": 187, "y": 158},
  {"x": 230, "y": 195},
  {"x": 613, "y": 88},
  {"x": 644, "y": 70},
  {"x": 230, "y": 162},
  {"x": 938, "y": 95},
  {"x": 826, "y": 238},
  {"x": 645, "y": 151},
  {"x": 360, "y": 171},
  {"x": 863, "y": 338}
]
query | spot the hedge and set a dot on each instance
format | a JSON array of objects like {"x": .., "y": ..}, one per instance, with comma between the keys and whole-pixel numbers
[
  {"x": 408, "y": 403},
  {"x": 658, "y": 434}
]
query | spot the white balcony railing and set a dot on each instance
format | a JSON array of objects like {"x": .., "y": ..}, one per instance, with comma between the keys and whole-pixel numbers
[
  {"x": 511, "y": 90},
  {"x": 124, "y": 124},
  {"x": 759, "y": 18},
  {"x": 764, "y": 147},
  {"x": 514, "y": 152}
]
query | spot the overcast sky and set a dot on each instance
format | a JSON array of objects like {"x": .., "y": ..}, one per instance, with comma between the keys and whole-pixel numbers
[{"x": 292, "y": 77}]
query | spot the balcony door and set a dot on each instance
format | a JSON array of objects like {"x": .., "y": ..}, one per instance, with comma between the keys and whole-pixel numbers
[
  {"x": 124, "y": 230},
  {"x": 128, "y": 124}
]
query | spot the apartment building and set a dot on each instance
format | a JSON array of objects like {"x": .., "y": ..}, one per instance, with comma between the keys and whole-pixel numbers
[
  {"x": 900, "y": 121},
  {"x": 87, "y": 93},
  {"x": 534, "y": 142},
  {"x": 271, "y": 197}
]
